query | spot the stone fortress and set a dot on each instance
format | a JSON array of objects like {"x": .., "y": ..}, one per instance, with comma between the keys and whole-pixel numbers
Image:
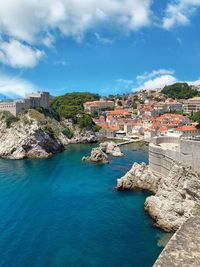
[
  {"x": 31, "y": 100},
  {"x": 165, "y": 151},
  {"x": 183, "y": 249}
]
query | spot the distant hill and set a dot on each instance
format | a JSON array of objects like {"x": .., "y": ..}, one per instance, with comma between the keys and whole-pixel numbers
[{"x": 179, "y": 91}]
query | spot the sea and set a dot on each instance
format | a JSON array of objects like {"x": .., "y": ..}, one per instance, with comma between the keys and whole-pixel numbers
[{"x": 62, "y": 212}]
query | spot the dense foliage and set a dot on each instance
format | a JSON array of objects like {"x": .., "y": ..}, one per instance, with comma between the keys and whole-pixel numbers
[
  {"x": 68, "y": 133},
  {"x": 70, "y": 105},
  {"x": 179, "y": 91},
  {"x": 8, "y": 118},
  {"x": 196, "y": 118}
]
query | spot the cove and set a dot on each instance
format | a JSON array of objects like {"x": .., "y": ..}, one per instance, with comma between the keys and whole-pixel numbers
[{"x": 62, "y": 212}]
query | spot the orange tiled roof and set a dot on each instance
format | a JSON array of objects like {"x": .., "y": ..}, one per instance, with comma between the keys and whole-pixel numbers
[
  {"x": 197, "y": 98},
  {"x": 186, "y": 128},
  {"x": 118, "y": 112}
]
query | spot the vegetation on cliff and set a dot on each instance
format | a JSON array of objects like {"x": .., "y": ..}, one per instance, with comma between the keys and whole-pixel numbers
[
  {"x": 70, "y": 106},
  {"x": 8, "y": 118},
  {"x": 38, "y": 134},
  {"x": 179, "y": 91}
]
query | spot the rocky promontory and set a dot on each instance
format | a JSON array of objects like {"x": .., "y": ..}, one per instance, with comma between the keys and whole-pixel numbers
[
  {"x": 34, "y": 134},
  {"x": 173, "y": 197}
]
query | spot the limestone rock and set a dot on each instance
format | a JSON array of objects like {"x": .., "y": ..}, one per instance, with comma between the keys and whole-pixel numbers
[
  {"x": 36, "y": 135},
  {"x": 21, "y": 141},
  {"x": 97, "y": 155},
  {"x": 174, "y": 197},
  {"x": 139, "y": 177},
  {"x": 111, "y": 148}
]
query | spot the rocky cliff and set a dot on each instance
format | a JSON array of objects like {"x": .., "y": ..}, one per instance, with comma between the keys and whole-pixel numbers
[
  {"x": 174, "y": 196},
  {"x": 37, "y": 135}
]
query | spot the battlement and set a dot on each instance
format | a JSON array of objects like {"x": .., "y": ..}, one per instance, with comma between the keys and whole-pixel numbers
[{"x": 31, "y": 100}]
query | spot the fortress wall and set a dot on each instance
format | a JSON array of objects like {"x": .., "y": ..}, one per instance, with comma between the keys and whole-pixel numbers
[
  {"x": 9, "y": 106},
  {"x": 165, "y": 139},
  {"x": 183, "y": 249},
  {"x": 190, "y": 154},
  {"x": 161, "y": 159}
]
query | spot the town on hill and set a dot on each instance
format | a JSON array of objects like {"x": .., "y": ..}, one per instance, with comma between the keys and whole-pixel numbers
[{"x": 142, "y": 115}]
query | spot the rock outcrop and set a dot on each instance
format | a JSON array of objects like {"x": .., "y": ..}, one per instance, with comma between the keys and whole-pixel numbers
[
  {"x": 111, "y": 148},
  {"x": 37, "y": 135},
  {"x": 97, "y": 155},
  {"x": 26, "y": 138},
  {"x": 174, "y": 196},
  {"x": 83, "y": 137}
]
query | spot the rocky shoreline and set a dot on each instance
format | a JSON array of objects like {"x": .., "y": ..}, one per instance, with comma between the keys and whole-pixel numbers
[
  {"x": 34, "y": 135},
  {"x": 173, "y": 197}
]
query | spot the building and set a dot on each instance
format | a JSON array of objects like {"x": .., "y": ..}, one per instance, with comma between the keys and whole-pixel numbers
[
  {"x": 32, "y": 100},
  {"x": 168, "y": 106},
  {"x": 96, "y": 106},
  {"x": 192, "y": 105},
  {"x": 188, "y": 131}
]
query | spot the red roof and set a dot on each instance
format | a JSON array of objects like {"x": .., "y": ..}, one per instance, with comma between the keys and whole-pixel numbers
[{"x": 186, "y": 128}]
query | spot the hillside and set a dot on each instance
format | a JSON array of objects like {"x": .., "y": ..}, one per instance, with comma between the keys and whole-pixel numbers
[
  {"x": 38, "y": 134},
  {"x": 179, "y": 91}
]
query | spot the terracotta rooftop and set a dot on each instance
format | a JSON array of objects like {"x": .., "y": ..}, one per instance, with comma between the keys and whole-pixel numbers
[{"x": 186, "y": 128}]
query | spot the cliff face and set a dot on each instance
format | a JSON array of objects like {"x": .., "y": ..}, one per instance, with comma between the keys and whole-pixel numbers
[
  {"x": 174, "y": 196},
  {"x": 35, "y": 135}
]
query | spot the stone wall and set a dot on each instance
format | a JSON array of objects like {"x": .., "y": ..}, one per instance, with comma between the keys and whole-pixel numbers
[
  {"x": 184, "y": 152},
  {"x": 13, "y": 107},
  {"x": 33, "y": 100},
  {"x": 183, "y": 249}
]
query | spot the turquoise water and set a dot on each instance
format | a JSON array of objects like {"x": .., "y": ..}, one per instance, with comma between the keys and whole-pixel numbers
[{"x": 61, "y": 212}]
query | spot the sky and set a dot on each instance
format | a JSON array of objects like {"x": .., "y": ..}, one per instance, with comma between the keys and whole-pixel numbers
[{"x": 105, "y": 47}]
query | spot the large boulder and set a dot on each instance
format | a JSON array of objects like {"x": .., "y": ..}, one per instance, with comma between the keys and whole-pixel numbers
[
  {"x": 111, "y": 148},
  {"x": 97, "y": 155}
]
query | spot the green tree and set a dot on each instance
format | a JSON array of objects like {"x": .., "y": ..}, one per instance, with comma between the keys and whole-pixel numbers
[
  {"x": 196, "y": 118},
  {"x": 179, "y": 91},
  {"x": 70, "y": 105}
]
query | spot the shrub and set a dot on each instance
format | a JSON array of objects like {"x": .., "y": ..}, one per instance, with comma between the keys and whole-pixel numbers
[
  {"x": 10, "y": 120},
  {"x": 48, "y": 129},
  {"x": 68, "y": 133}
]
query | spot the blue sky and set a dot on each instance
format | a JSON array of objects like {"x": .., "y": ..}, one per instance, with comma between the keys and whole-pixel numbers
[{"x": 106, "y": 47}]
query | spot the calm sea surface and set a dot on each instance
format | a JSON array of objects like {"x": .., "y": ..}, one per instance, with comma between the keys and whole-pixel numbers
[{"x": 62, "y": 212}]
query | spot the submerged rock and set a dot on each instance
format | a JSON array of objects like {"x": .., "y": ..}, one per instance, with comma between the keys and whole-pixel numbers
[
  {"x": 97, "y": 155},
  {"x": 174, "y": 197}
]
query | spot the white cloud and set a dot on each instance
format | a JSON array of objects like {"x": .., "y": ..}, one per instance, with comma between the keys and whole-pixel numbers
[
  {"x": 158, "y": 82},
  {"x": 33, "y": 20},
  {"x": 18, "y": 55},
  {"x": 15, "y": 86},
  {"x": 196, "y": 82},
  {"x": 154, "y": 73},
  {"x": 179, "y": 12},
  {"x": 39, "y": 22},
  {"x": 103, "y": 40},
  {"x": 155, "y": 79}
]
